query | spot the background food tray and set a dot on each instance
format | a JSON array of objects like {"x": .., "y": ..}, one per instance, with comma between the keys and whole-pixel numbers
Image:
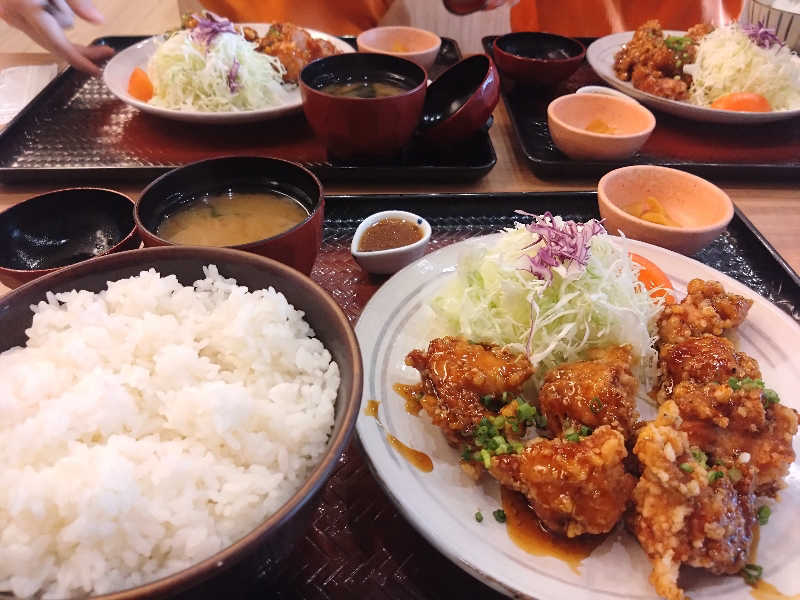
[
  {"x": 76, "y": 128},
  {"x": 764, "y": 152},
  {"x": 359, "y": 546}
]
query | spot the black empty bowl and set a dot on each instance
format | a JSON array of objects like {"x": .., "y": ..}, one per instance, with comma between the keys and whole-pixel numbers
[
  {"x": 460, "y": 101},
  {"x": 533, "y": 57},
  {"x": 60, "y": 228}
]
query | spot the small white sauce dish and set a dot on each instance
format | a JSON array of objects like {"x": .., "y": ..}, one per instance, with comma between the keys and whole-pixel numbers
[{"x": 389, "y": 261}]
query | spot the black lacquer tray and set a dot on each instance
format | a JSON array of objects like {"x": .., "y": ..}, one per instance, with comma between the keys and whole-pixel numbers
[
  {"x": 76, "y": 128},
  {"x": 359, "y": 545},
  {"x": 761, "y": 152}
]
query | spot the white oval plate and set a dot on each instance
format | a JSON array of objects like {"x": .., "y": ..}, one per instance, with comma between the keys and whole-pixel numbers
[
  {"x": 441, "y": 504},
  {"x": 600, "y": 55},
  {"x": 118, "y": 71}
]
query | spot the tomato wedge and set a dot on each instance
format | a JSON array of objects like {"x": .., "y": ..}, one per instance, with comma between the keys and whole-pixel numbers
[
  {"x": 140, "y": 86},
  {"x": 652, "y": 276}
]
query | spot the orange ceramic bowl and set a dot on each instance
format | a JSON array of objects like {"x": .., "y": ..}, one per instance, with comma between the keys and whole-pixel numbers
[
  {"x": 700, "y": 208},
  {"x": 417, "y": 45},
  {"x": 569, "y": 116}
]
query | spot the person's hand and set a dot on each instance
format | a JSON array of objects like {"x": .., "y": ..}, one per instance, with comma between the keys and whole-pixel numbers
[{"x": 44, "y": 22}]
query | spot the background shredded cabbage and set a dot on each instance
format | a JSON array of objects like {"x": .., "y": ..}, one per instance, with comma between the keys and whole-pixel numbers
[
  {"x": 728, "y": 61},
  {"x": 494, "y": 299},
  {"x": 188, "y": 75}
]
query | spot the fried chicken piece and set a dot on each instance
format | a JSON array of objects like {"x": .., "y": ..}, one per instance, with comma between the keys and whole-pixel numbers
[
  {"x": 697, "y": 32},
  {"x": 696, "y": 374},
  {"x": 706, "y": 309},
  {"x": 653, "y": 81},
  {"x": 574, "y": 487},
  {"x": 646, "y": 48},
  {"x": 686, "y": 513},
  {"x": 457, "y": 375},
  {"x": 767, "y": 451},
  {"x": 598, "y": 391},
  {"x": 294, "y": 47}
]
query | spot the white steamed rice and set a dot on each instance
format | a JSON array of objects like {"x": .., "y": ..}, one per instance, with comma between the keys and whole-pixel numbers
[{"x": 149, "y": 426}]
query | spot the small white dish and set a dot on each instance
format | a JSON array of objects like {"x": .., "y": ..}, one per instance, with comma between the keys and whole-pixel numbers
[{"x": 389, "y": 261}]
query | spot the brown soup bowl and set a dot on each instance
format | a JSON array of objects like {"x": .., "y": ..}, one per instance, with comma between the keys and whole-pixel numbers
[
  {"x": 460, "y": 101},
  {"x": 297, "y": 247},
  {"x": 48, "y": 232},
  {"x": 273, "y": 538},
  {"x": 363, "y": 128},
  {"x": 537, "y": 58}
]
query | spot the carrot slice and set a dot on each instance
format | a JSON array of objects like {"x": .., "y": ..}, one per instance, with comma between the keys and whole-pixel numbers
[
  {"x": 140, "y": 86},
  {"x": 653, "y": 277}
]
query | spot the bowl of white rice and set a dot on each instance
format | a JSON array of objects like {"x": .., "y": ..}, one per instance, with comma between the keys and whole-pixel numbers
[{"x": 167, "y": 412}]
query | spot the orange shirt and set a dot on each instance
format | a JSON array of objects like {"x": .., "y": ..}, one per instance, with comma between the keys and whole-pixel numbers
[
  {"x": 338, "y": 17},
  {"x": 594, "y": 18}
]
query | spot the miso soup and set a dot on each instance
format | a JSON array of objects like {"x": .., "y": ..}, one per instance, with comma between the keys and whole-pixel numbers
[
  {"x": 366, "y": 88},
  {"x": 230, "y": 218}
]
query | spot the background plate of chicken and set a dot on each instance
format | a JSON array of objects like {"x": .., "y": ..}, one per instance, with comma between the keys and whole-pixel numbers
[
  {"x": 659, "y": 80},
  {"x": 443, "y": 418},
  {"x": 214, "y": 71}
]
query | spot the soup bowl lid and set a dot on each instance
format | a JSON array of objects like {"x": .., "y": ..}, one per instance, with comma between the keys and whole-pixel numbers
[{"x": 461, "y": 100}]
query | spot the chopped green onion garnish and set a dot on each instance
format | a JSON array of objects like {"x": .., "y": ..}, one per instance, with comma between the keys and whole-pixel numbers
[
  {"x": 752, "y": 573},
  {"x": 499, "y": 515},
  {"x": 714, "y": 475},
  {"x": 734, "y": 474},
  {"x": 770, "y": 397},
  {"x": 479, "y": 515},
  {"x": 745, "y": 383},
  {"x": 486, "y": 457},
  {"x": 572, "y": 436},
  {"x": 466, "y": 454},
  {"x": 499, "y": 421},
  {"x": 541, "y": 421},
  {"x": 686, "y": 467},
  {"x": 700, "y": 456},
  {"x": 584, "y": 431},
  {"x": 763, "y": 514}
]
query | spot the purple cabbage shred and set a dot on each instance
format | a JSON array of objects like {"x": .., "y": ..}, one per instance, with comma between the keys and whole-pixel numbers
[
  {"x": 209, "y": 26},
  {"x": 233, "y": 83},
  {"x": 565, "y": 241},
  {"x": 762, "y": 36}
]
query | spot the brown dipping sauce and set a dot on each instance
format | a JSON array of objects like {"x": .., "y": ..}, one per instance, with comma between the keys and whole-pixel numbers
[
  {"x": 418, "y": 459},
  {"x": 526, "y": 531},
  {"x": 388, "y": 233},
  {"x": 411, "y": 394}
]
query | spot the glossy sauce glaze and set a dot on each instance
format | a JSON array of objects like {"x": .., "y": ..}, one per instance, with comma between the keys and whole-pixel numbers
[
  {"x": 411, "y": 394},
  {"x": 527, "y": 533},
  {"x": 418, "y": 459},
  {"x": 766, "y": 591},
  {"x": 389, "y": 233}
]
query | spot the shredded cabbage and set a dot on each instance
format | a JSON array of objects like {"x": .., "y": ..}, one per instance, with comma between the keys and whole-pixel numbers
[
  {"x": 495, "y": 298},
  {"x": 728, "y": 61},
  {"x": 225, "y": 75}
]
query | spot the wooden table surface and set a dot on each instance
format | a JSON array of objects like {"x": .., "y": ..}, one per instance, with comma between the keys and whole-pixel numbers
[{"x": 773, "y": 207}]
